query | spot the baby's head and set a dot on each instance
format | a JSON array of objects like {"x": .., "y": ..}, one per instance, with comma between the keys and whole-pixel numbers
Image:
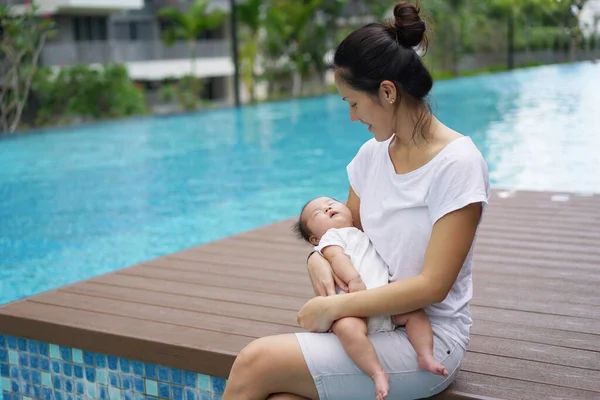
[{"x": 319, "y": 215}]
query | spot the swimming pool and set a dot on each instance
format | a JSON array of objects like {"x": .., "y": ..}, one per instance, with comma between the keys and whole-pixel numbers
[{"x": 76, "y": 203}]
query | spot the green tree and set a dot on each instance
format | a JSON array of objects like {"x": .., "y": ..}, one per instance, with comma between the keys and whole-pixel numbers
[
  {"x": 22, "y": 39},
  {"x": 190, "y": 24},
  {"x": 250, "y": 15}
]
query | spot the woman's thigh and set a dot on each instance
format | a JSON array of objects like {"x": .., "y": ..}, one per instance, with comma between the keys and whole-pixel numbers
[{"x": 336, "y": 376}]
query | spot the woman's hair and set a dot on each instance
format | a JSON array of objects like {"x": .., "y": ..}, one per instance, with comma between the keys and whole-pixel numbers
[{"x": 378, "y": 52}]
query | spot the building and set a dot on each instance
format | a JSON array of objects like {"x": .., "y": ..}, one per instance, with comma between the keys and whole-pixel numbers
[
  {"x": 589, "y": 18},
  {"x": 129, "y": 32}
]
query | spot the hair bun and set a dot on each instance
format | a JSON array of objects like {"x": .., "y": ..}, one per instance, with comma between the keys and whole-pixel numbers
[{"x": 410, "y": 28}]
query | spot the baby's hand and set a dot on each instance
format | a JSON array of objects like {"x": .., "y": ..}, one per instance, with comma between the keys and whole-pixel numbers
[{"x": 356, "y": 285}]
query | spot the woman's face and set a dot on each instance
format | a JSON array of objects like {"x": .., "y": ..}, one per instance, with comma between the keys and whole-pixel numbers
[{"x": 377, "y": 114}]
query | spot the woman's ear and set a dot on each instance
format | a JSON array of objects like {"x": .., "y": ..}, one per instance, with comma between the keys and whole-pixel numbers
[{"x": 388, "y": 92}]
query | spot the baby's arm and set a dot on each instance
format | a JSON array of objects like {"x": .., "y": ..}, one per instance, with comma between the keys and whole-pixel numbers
[{"x": 342, "y": 266}]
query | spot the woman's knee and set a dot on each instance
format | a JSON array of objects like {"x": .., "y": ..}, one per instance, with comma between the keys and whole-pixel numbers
[{"x": 252, "y": 356}]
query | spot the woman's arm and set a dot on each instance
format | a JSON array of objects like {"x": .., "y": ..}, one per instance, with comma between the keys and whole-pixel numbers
[{"x": 450, "y": 241}]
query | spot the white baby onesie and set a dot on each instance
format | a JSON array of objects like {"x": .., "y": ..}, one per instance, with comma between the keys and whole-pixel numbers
[{"x": 371, "y": 267}]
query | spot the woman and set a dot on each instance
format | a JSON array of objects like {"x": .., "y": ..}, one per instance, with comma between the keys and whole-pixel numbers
[{"x": 418, "y": 189}]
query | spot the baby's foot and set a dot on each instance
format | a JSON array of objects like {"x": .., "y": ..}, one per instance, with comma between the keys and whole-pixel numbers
[
  {"x": 382, "y": 385},
  {"x": 428, "y": 363}
]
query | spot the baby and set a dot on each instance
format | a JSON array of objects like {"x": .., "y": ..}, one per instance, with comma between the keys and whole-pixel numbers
[{"x": 327, "y": 224}]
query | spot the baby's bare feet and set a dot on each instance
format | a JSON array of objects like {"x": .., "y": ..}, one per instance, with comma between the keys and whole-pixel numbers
[
  {"x": 382, "y": 385},
  {"x": 428, "y": 363}
]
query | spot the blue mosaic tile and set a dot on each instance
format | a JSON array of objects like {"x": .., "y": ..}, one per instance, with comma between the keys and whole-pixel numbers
[
  {"x": 204, "y": 382},
  {"x": 33, "y": 346},
  {"x": 113, "y": 379},
  {"x": 150, "y": 371},
  {"x": 114, "y": 393},
  {"x": 55, "y": 367},
  {"x": 177, "y": 393},
  {"x": 125, "y": 365},
  {"x": 56, "y": 382},
  {"x": 138, "y": 368},
  {"x": 45, "y": 364},
  {"x": 103, "y": 390},
  {"x": 216, "y": 396},
  {"x": 177, "y": 376},
  {"x": 37, "y": 370},
  {"x": 151, "y": 387},
  {"x": 24, "y": 359},
  {"x": 25, "y": 374},
  {"x": 77, "y": 356},
  {"x": 13, "y": 357},
  {"x": 217, "y": 384},
  {"x": 54, "y": 351},
  {"x": 164, "y": 390},
  {"x": 190, "y": 394},
  {"x": 88, "y": 358},
  {"x": 100, "y": 361},
  {"x": 67, "y": 369},
  {"x": 36, "y": 377},
  {"x": 47, "y": 393},
  {"x": 65, "y": 353},
  {"x": 101, "y": 376},
  {"x": 44, "y": 349},
  {"x": 12, "y": 342},
  {"x": 127, "y": 382},
  {"x": 138, "y": 385},
  {"x": 163, "y": 374},
  {"x": 113, "y": 363},
  {"x": 90, "y": 374},
  {"x": 2, "y": 342},
  {"x": 69, "y": 385}
]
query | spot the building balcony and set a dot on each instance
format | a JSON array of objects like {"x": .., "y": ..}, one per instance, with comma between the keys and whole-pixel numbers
[
  {"x": 78, "y": 6},
  {"x": 120, "y": 51}
]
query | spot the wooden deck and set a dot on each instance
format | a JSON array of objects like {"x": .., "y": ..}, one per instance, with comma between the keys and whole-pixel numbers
[{"x": 536, "y": 308}]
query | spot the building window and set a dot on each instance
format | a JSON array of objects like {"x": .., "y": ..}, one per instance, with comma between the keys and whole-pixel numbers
[{"x": 90, "y": 28}]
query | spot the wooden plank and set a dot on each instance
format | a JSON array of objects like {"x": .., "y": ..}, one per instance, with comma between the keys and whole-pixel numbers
[
  {"x": 175, "y": 346},
  {"x": 535, "y": 352},
  {"x": 255, "y": 285},
  {"x": 532, "y": 334},
  {"x": 200, "y": 291},
  {"x": 532, "y": 371},
  {"x": 160, "y": 314},
  {"x": 479, "y": 384},
  {"x": 570, "y": 324},
  {"x": 189, "y": 303}
]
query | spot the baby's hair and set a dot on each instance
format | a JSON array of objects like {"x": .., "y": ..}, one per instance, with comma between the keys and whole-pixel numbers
[{"x": 301, "y": 228}]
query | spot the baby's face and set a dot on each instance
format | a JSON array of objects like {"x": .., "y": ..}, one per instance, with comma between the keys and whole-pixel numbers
[{"x": 325, "y": 213}]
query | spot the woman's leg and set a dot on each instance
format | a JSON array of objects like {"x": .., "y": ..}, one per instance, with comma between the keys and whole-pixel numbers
[
  {"x": 285, "y": 396},
  {"x": 271, "y": 365}
]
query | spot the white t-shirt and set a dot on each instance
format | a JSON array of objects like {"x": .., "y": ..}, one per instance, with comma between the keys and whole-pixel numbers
[
  {"x": 398, "y": 211},
  {"x": 372, "y": 269}
]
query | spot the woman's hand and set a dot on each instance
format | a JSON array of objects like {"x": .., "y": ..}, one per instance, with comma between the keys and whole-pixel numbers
[
  {"x": 318, "y": 314},
  {"x": 322, "y": 277}
]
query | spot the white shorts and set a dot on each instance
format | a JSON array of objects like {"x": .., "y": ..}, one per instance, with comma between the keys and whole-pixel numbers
[{"x": 338, "y": 378}]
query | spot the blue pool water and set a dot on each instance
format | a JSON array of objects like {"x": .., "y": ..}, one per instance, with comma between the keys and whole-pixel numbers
[{"x": 75, "y": 203}]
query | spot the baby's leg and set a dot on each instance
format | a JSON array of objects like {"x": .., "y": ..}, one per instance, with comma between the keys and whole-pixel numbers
[
  {"x": 420, "y": 335},
  {"x": 352, "y": 333}
]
